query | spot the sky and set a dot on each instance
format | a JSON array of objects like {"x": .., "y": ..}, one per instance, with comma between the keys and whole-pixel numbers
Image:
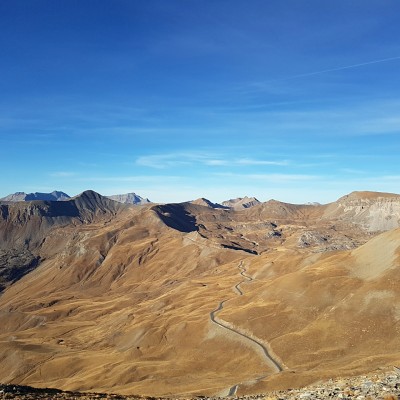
[{"x": 295, "y": 100}]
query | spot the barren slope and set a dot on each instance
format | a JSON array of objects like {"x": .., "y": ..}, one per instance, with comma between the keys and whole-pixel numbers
[
  {"x": 188, "y": 299},
  {"x": 328, "y": 314},
  {"x": 375, "y": 212},
  {"x": 124, "y": 307},
  {"x": 25, "y": 228}
]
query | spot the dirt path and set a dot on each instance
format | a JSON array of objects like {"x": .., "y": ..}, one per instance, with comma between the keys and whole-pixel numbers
[{"x": 269, "y": 359}]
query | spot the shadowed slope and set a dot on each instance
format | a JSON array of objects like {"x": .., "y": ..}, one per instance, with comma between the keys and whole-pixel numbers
[
  {"x": 176, "y": 216},
  {"x": 25, "y": 227}
]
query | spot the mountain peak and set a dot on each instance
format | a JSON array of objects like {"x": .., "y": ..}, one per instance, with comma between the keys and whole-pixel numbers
[
  {"x": 129, "y": 198},
  {"x": 88, "y": 194},
  {"x": 241, "y": 203},
  {"x": 93, "y": 202}
]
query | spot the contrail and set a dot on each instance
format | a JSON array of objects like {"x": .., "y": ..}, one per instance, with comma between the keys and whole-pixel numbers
[
  {"x": 260, "y": 85},
  {"x": 344, "y": 67}
]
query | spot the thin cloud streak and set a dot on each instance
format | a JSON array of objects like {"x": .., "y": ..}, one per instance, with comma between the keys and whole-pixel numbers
[
  {"x": 135, "y": 178},
  {"x": 161, "y": 161},
  {"x": 260, "y": 85},
  {"x": 62, "y": 174},
  {"x": 343, "y": 68},
  {"x": 272, "y": 178}
]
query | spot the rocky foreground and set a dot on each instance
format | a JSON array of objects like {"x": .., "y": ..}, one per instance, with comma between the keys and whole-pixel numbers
[{"x": 377, "y": 386}]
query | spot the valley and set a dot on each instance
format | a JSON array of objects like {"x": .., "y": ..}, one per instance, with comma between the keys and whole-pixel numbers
[{"x": 197, "y": 298}]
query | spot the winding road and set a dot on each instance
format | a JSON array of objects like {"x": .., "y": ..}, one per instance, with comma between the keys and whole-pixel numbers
[{"x": 269, "y": 359}]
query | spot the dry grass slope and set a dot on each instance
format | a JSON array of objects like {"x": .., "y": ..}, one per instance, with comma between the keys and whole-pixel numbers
[{"x": 121, "y": 298}]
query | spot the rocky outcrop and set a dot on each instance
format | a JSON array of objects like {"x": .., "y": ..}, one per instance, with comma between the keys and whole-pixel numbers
[
  {"x": 14, "y": 264},
  {"x": 241, "y": 203},
  {"x": 374, "y": 212},
  {"x": 129, "y": 198}
]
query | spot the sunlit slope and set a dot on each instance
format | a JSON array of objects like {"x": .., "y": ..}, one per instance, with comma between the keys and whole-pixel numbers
[
  {"x": 325, "y": 315},
  {"x": 187, "y": 299},
  {"x": 125, "y": 307}
]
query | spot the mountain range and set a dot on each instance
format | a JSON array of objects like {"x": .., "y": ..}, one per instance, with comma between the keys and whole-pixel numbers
[
  {"x": 22, "y": 196},
  {"x": 128, "y": 198},
  {"x": 196, "y": 298}
]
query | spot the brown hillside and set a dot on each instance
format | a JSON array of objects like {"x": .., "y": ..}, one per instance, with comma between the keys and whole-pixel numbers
[{"x": 182, "y": 299}]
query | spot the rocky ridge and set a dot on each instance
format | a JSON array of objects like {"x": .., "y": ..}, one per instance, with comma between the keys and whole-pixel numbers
[
  {"x": 22, "y": 196},
  {"x": 206, "y": 203}
]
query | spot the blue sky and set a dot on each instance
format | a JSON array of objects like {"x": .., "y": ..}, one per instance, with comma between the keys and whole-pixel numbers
[{"x": 297, "y": 100}]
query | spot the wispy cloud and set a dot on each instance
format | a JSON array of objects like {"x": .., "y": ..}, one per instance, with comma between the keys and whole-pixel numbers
[
  {"x": 262, "y": 85},
  {"x": 132, "y": 179},
  {"x": 249, "y": 161},
  {"x": 352, "y": 171},
  {"x": 161, "y": 161},
  {"x": 62, "y": 174},
  {"x": 272, "y": 178}
]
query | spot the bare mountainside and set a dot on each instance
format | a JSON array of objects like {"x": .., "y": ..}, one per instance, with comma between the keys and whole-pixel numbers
[
  {"x": 186, "y": 299},
  {"x": 25, "y": 228}
]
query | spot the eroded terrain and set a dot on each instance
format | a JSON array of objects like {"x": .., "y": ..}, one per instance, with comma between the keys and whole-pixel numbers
[{"x": 188, "y": 299}]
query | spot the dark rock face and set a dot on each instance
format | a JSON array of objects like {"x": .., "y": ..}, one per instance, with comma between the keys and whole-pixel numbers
[{"x": 14, "y": 264}]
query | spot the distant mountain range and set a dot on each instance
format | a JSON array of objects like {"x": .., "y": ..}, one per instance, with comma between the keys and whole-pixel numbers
[
  {"x": 128, "y": 198},
  {"x": 237, "y": 204},
  {"x": 22, "y": 196}
]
